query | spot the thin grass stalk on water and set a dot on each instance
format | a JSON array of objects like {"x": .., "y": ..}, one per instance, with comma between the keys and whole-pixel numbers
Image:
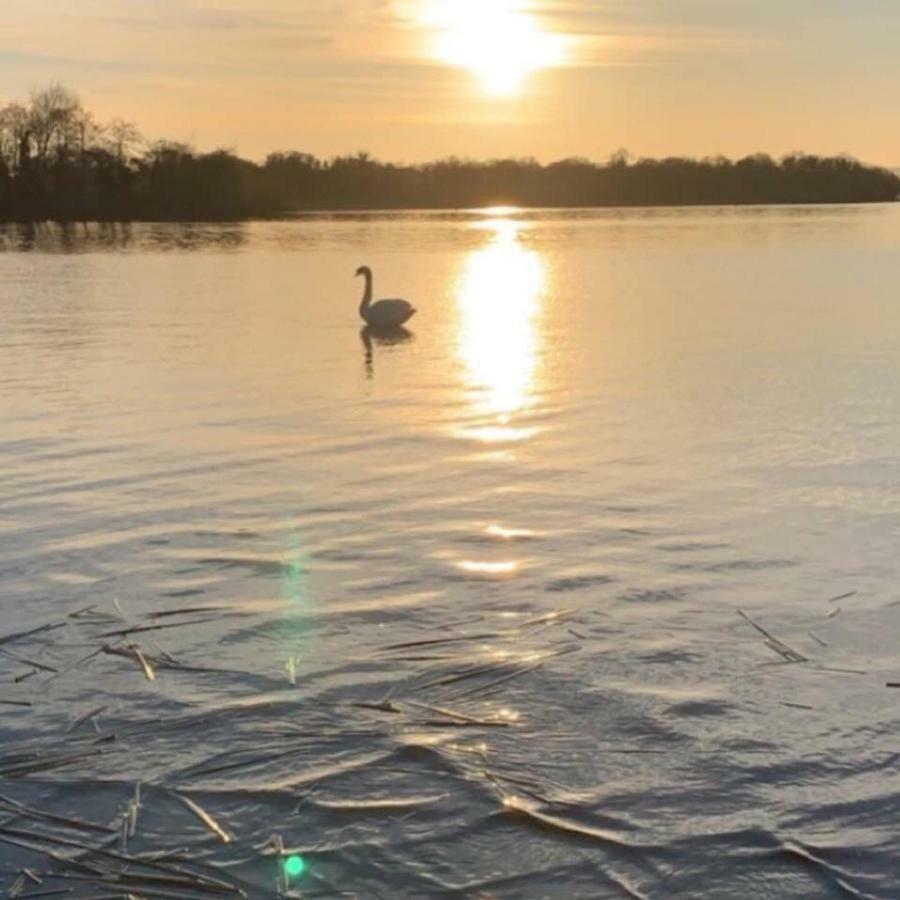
[
  {"x": 138, "y": 629},
  {"x": 25, "y": 661},
  {"x": 85, "y": 718},
  {"x": 205, "y": 818},
  {"x": 169, "y": 876},
  {"x": 9, "y": 638},
  {"x": 72, "y": 822},
  {"x": 773, "y": 643}
]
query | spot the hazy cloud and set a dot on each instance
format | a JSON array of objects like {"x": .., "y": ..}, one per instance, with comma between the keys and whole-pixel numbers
[{"x": 338, "y": 75}]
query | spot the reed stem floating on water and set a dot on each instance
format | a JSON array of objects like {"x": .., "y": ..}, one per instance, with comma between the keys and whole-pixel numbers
[
  {"x": 773, "y": 643},
  {"x": 205, "y": 818}
]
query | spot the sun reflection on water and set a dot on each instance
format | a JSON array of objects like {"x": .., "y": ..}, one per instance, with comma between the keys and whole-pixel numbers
[
  {"x": 476, "y": 567},
  {"x": 499, "y": 294},
  {"x": 508, "y": 534}
]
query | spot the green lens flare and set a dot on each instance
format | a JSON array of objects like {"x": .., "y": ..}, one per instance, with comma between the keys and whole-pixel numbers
[{"x": 295, "y": 866}]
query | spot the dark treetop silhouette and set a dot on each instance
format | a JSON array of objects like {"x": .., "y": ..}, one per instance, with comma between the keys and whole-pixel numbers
[{"x": 57, "y": 163}]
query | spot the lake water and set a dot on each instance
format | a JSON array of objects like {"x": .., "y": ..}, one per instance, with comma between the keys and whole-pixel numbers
[{"x": 455, "y": 614}]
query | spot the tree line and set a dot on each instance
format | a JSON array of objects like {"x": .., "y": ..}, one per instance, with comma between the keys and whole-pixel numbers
[{"x": 58, "y": 163}]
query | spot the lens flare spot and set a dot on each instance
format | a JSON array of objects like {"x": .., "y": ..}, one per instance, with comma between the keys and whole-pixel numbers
[{"x": 294, "y": 866}]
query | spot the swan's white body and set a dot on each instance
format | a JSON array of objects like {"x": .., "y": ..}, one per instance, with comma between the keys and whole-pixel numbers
[{"x": 383, "y": 313}]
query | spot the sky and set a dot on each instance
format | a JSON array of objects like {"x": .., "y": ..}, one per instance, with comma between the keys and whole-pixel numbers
[{"x": 411, "y": 80}]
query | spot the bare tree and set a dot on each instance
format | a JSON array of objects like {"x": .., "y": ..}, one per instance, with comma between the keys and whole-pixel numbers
[
  {"x": 14, "y": 135},
  {"x": 123, "y": 139},
  {"x": 55, "y": 116}
]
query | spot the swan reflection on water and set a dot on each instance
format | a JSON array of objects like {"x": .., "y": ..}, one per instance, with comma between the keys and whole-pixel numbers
[{"x": 371, "y": 336}]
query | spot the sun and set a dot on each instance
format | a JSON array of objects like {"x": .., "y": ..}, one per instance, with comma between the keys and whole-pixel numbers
[{"x": 498, "y": 41}]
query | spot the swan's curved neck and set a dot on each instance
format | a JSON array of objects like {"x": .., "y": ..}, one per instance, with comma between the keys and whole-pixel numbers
[{"x": 367, "y": 294}]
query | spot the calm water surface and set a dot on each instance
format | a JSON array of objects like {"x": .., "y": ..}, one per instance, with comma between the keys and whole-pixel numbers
[{"x": 456, "y": 613}]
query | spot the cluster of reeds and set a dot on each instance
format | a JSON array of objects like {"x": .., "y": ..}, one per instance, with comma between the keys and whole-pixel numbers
[{"x": 452, "y": 685}]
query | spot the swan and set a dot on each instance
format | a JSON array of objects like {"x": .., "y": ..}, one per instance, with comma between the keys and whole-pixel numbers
[{"x": 384, "y": 313}]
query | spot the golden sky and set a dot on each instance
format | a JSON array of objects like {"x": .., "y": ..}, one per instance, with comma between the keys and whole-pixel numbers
[{"x": 418, "y": 79}]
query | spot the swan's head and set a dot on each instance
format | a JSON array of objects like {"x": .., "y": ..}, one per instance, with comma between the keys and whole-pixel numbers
[{"x": 363, "y": 270}]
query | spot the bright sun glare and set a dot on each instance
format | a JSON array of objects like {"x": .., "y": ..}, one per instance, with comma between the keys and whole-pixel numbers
[{"x": 498, "y": 41}]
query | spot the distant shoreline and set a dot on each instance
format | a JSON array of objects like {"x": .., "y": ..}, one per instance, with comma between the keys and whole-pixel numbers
[
  {"x": 511, "y": 210},
  {"x": 476, "y": 213},
  {"x": 177, "y": 185},
  {"x": 57, "y": 165}
]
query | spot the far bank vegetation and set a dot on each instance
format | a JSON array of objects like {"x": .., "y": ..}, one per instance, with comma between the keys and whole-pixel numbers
[{"x": 58, "y": 163}]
